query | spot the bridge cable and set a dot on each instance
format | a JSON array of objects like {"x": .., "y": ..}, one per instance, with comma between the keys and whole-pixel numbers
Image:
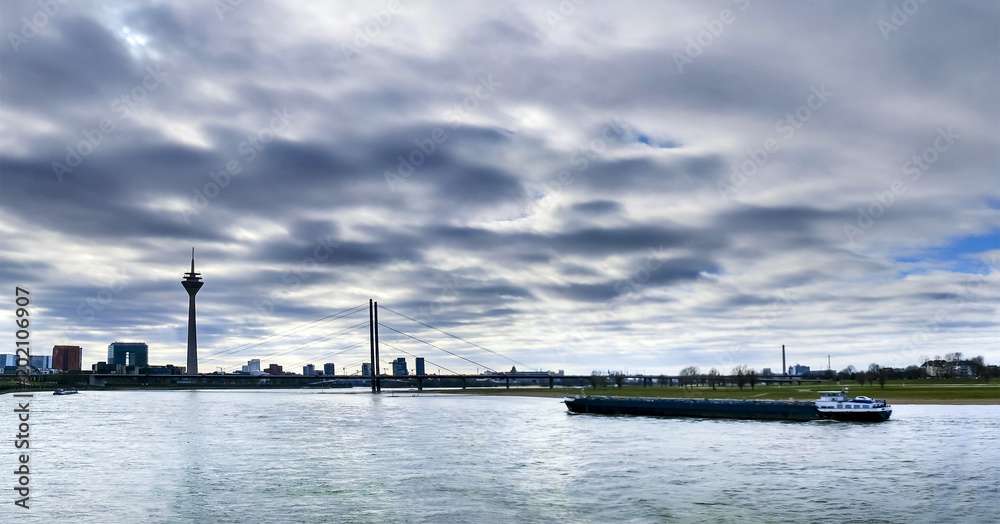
[
  {"x": 438, "y": 348},
  {"x": 264, "y": 340},
  {"x": 313, "y": 341},
  {"x": 458, "y": 337}
]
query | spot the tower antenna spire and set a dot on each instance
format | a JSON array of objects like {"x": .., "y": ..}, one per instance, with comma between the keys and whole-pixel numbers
[{"x": 192, "y": 259}]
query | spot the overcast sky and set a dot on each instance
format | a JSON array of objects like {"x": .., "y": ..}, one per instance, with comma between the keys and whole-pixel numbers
[{"x": 579, "y": 186}]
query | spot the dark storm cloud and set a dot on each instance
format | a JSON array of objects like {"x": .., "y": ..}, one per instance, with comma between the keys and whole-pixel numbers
[
  {"x": 661, "y": 273},
  {"x": 774, "y": 219},
  {"x": 589, "y": 241},
  {"x": 75, "y": 60},
  {"x": 335, "y": 253},
  {"x": 598, "y": 207},
  {"x": 602, "y": 292},
  {"x": 597, "y": 241},
  {"x": 646, "y": 175}
]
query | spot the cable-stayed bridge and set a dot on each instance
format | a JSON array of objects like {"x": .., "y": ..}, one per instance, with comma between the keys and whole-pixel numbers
[
  {"x": 358, "y": 336},
  {"x": 359, "y": 340}
]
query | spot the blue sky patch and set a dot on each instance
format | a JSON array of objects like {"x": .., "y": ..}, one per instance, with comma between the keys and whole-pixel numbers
[{"x": 957, "y": 256}]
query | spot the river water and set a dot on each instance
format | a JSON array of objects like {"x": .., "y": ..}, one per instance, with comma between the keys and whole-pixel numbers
[{"x": 309, "y": 456}]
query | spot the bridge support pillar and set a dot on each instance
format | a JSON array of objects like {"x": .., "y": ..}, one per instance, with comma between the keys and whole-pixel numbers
[
  {"x": 420, "y": 384},
  {"x": 551, "y": 382},
  {"x": 508, "y": 382},
  {"x": 463, "y": 382}
]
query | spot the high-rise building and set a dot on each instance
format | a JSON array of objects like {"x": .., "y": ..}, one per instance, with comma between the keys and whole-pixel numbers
[
  {"x": 40, "y": 361},
  {"x": 275, "y": 369},
  {"x": 192, "y": 283},
  {"x": 253, "y": 366},
  {"x": 420, "y": 366},
  {"x": 128, "y": 354},
  {"x": 67, "y": 358},
  {"x": 366, "y": 369},
  {"x": 8, "y": 359},
  {"x": 399, "y": 367},
  {"x": 329, "y": 369},
  {"x": 308, "y": 370}
]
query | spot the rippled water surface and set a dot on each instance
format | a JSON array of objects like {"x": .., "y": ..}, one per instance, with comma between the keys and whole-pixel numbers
[{"x": 307, "y": 456}]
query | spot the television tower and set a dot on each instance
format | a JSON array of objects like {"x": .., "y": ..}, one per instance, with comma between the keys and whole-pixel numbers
[{"x": 192, "y": 283}]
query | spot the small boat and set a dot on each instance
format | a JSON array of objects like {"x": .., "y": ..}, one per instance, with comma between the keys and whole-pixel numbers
[
  {"x": 836, "y": 405},
  {"x": 65, "y": 391}
]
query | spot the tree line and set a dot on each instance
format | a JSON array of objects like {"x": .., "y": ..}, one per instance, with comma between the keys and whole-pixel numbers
[{"x": 952, "y": 366}]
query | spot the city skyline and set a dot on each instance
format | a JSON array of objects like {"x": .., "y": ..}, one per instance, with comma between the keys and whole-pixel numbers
[{"x": 579, "y": 187}]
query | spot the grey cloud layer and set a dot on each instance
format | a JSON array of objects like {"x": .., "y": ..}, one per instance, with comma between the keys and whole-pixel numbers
[{"x": 551, "y": 190}]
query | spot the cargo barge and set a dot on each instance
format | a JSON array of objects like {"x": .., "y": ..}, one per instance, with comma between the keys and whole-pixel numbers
[{"x": 831, "y": 405}]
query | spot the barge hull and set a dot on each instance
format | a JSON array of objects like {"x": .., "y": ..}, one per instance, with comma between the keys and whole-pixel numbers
[{"x": 750, "y": 410}]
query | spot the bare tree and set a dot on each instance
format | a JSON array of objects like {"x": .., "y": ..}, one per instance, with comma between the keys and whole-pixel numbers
[
  {"x": 618, "y": 377},
  {"x": 597, "y": 379},
  {"x": 713, "y": 377},
  {"x": 979, "y": 368},
  {"x": 740, "y": 372},
  {"x": 752, "y": 377},
  {"x": 688, "y": 375},
  {"x": 879, "y": 373}
]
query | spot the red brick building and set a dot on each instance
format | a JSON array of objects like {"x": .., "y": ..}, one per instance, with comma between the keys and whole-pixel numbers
[{"x": 67, "y": 358}]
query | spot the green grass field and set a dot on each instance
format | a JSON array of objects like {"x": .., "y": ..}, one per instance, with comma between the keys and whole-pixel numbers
[{"x": 896, "y": 392}]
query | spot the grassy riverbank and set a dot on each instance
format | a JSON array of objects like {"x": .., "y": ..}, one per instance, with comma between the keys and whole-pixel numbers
[{"x": 896, "y": 392}]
